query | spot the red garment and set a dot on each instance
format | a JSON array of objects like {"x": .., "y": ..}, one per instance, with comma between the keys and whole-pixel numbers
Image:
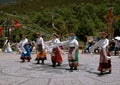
[
  {"x": 0, "y": 31},
  {"x": 56, "y": 56},
  {"x": 17, "y": 24},
  {"x": 104, "y": 64}
]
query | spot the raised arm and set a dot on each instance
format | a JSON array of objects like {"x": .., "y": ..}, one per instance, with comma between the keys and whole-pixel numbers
[
  {"x": 97, "y": 44},
  {"x": 104, "y": 47},
  {"x": 48, "y": 42},
  {"x": 63, "y": 43}
]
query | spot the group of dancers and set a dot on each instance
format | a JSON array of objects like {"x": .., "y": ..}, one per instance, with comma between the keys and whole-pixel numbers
[{"x": 54, "y": 47}]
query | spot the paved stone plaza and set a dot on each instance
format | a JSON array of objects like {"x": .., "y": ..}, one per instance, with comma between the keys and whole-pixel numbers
[{"x": 13, "y": 72}]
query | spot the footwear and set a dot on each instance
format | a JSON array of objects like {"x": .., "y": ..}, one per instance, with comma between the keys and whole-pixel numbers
[
  {"x": 54, "y": 64},
  {"x": 36, "y": 59},
  {"x": 110, "y": 71},
  {"x": 28, "y": 60},
  {"x": 101, "y": 72},
  {"x": 71, "y": 69},
  {"x": 42, "y": 61},
  {"x": 75, "y": 68},
  {"x": 38, "y": 62},
  {"x": 58, "y": 64},
  {"x": 22, "y": 61}
]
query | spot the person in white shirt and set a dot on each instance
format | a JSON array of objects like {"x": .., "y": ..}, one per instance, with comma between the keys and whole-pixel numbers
[
  {"x": 117, "y": 46},
  {"x": 55, "y": 54},
  {"x": 24, "y": 48},
  {"x": 73, "y": 46},
  {"x": 7, "y": 46},
  {"x": 105, "y": 59},
  {"x": 40, "y": 47}
]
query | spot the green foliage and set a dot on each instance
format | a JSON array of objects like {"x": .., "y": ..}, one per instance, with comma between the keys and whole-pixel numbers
[
  {"x": 117, "y": 28},
  {"x": 83, "y": 17}
]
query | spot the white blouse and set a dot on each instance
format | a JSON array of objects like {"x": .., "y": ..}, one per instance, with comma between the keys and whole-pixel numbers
[
  {"x": 70, "y": 43},
  {"x": 73, "y": 43},
  {"x": 24, "y": 41},
  {"x": 102, "y": 44},
  {"x": 40, "y": 41},
  {"x": 20, "y": 45},
  {"x": 55, "y": 41}
]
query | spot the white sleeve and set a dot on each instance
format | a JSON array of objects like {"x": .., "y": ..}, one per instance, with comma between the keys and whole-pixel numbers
[
  {"x": 24, "y": 42},
  {"x": 63, "y": 43},
  {"x": 48, "y": 42},
  {"x": 5, "y": 42},
  {"x": 19, "y": 47},
  {"x": 97, "y": 44},
  {"x": 106, "y": 43},
  {"x": 105, "y": 49},
  {"x": 76, "y": 44},
  {"x": 57, "y": 41},
  {"x": 43, "y": 44},
  {"x": 76, "y": 47},
  {"x": 58, "y": 44}
]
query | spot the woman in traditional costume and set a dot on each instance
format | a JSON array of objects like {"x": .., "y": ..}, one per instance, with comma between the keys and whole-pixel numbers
[
  {"x": 105, "y": 60},
  {"x": 7, "y": 46},
  {"x": 24, "y": 48},
  {"x": 73, "y": 45},
  {"x": 40, "y": 47},
  {"x": 56, "y": 57}
]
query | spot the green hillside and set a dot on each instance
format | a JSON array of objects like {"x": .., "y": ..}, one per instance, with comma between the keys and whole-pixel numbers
[
  {"x": 83, "y": 17},
  {"x": 37, "y": 5}
]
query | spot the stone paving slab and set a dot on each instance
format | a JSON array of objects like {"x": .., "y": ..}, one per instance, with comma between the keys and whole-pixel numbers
[{"x": 13, "y": 72}]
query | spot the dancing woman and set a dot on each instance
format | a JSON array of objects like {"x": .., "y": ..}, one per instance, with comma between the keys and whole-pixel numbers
[
  {"x": 40, "y": 47},
  {"x": 55, "y": 55},
  {"x": 7, "y": 46},
  {"x": 24, "y": 48},
  {"x": 105, "y": 60},
  {"x": 73, "y": 45}
]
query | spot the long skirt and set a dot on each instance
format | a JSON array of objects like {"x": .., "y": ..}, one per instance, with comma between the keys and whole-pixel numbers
[
  {"x": 73, "y": 60},
  {"x": 56, "y": 55},
  {"x": 104, "y": 64},
  {"x": 26, "y": 55},
  {"x": 41, "y": 54}
]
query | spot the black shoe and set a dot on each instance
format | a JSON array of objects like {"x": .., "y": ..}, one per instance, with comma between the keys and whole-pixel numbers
[
  {"x": 58, "y": 64},
  {"x": 38, "y": 62},
  {"x": 101, "y": 72},
  {"x": 71, "y": 69},
  {"x": 28, "y": 60},
  {"x": 109, "y": 71},
  {"x": 75, "y": 68},
  {"x": 22, "y": 61},
  {"x": 42, "y": 61},
  {"x": 54, "y": 66}
]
